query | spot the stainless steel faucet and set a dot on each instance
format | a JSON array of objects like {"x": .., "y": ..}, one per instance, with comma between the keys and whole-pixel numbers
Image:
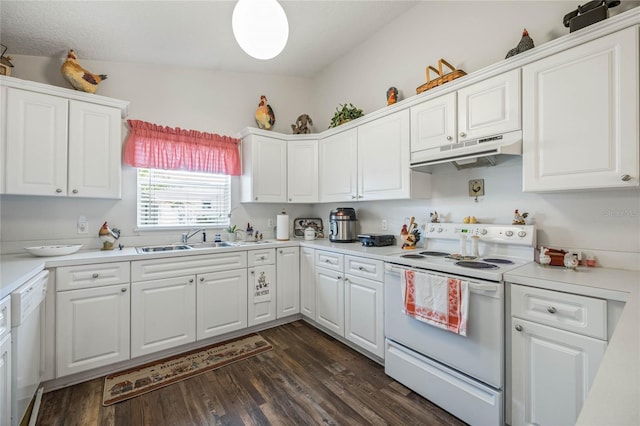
[{"x": 187, "y": 235}]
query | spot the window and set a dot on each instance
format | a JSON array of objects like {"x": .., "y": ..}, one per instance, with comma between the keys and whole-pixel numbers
[{"x": 172, "y": 198}]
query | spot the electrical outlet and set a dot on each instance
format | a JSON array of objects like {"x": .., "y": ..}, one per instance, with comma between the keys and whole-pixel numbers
[
  {"x": 384, "y": 225},
  {"x": 83, "y": 226},
  {"x": 269, "y": 223}
]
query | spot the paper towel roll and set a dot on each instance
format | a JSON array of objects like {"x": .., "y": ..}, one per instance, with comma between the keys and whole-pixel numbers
[{"x": 282, "y": 227}]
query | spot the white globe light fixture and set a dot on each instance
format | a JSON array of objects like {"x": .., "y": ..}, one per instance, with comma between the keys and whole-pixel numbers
[{"x": 260, "y": 27}]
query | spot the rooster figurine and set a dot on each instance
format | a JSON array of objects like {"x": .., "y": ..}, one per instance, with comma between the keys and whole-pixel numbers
[
  {"x": 525, "y": 44},
  {"x": 78, "y": 77},
  {"x": 264, "y": 115},
  {"x": 108, "y": 236}
]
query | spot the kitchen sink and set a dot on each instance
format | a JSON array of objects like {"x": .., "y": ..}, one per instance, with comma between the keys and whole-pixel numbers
[
  {"x": 212, "y": 245},
  {"x": 169, "y": 247}
]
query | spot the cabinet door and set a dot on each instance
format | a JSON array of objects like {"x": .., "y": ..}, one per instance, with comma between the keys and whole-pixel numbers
[
  {"x": 363, "y": 314},
  {"x": 221, "y": 305},
  {"x": 3, "y": 135},
  {"x": 288, "y": 282},
  {"x": 163, "y": 314},
  {"x": 302, "y": 171},
  {"x": 307, "y": 283},
  {"x": 330, "y": 300},
  {"x": 489, "y": 107},
  {"x": 580, "y": 116},
  {"x": 383, "y": 158},
  {"x": 5, "y": 380},
  {"x": 92, "y": 328},
  {"x": 433, "y": 123},
  {"x": 339, "y": 167},
  {"x": 264, "y": 178},
  {"x": 95, "y": 147},
  {"x": 36, "y": 152},
  {"x": 262, "y": 296},
  {"x": 551, "y": 372}
]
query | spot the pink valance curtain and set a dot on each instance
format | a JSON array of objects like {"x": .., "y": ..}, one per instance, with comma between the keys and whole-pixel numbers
[{"x": 158, "y": 147}]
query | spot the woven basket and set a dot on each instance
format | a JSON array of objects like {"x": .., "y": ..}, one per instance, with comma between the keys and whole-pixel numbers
[{"x": 430, "y": 84}]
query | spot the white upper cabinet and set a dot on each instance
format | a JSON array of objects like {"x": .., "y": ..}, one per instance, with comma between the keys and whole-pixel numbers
[
  {"x": 371, "y": 162},
  {"x": 487, "y": 108},
  {"x": 580, "y": 116},
  {"x": 60, "y": 142},
  {"x": 264, "y": 169},
  {"x": 302, "y": 171},
  {"x": 338, "y": 173},
  {"x": 383, "y": 161}
]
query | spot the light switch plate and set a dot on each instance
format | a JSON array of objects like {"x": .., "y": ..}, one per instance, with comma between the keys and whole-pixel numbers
[
  {"x": 476, "y": 187},
  {"x": 82, "y": 225}
]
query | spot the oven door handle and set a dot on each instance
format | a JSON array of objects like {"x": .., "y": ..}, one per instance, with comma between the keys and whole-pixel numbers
[{"x": 483, "y": 287}]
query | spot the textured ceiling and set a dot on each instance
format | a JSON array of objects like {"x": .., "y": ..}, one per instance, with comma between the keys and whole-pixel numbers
[{"x": 189, "y": 33}]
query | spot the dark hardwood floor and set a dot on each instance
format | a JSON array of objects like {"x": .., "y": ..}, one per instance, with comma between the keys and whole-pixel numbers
[{"x": 308, "y": 378}]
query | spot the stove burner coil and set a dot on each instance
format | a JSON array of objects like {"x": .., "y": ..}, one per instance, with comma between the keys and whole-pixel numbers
[
  {"x": 499, "y": 261},
  {"x": 476, "y": 265},
  {"x": 413, "y": 256},
  {"x": 434, "y": 253}
]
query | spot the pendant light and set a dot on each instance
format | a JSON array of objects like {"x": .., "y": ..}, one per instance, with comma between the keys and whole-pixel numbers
[{"x": 260, "y": 27}]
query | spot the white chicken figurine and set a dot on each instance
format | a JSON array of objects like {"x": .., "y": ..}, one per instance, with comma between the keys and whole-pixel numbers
[
  {"x": 265, "y": 118},
  {"x": 78, "y": 77}
]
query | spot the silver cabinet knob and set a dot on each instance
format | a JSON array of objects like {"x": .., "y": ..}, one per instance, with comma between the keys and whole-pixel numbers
[
  {"x": 75, "y": 191},
  {"x": 59, "y": 190},
  {"x": 253, "y": 272},
  {"x": 123, "y": 289},
  {"x": 256, "y": 198},
  {"x": 625, "y": 178},
  {"x": 261, "y": 257},
  {"x": 281, "y": 251},
  {"x": 95, "y": 275},
  {"x": 551, "y": 310},
  {"x": 339, "y": 277},
  {"x": 201, "y": 279},
  {"x": 449, "y": 138},
  {"x": 353, "y": 197},
  {"x": 290, "y": 200},
  {"x": 519, "y": 327},
  {"x": 191, "y": 280},
  {"x": 360, "y": 268},
  {"x": 463, "y": 135}
]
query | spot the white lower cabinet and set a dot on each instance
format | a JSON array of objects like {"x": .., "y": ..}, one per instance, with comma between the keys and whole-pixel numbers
[
  {"x": 349, "y": 300},
  {"x": 221, "y": 305},
  {"x": 307, "y": 282},
  {"x": 552, "y": 366},
  {"x": 330, "y": 300},
  {"x": 288, "y": 281},
  {"x": 92, "y": 328},
  {"x": 5, "y": 380},
  {"x": 163, "y": 314},
  {"x": 364, "y": 319},
  {"x": 262, "y": 296}
]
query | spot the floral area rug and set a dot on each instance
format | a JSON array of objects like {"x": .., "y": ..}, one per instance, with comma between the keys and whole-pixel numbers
[{"x": 145, "y": 378}]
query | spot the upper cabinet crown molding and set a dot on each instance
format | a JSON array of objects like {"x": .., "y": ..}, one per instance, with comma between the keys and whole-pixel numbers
[{"x": 63, "y": 92}]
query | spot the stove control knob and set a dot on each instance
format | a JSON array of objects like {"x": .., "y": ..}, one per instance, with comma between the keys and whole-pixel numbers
[
  {"x": 509, "y": 233},
  {"x": 432, "y": 229},
  {"x": 439, "y": 229},
  {"x": 521, "y": 234},
  {"x": 483, "y": 232}
]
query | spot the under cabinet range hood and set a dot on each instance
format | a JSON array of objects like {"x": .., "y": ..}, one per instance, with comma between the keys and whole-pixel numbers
[{"x": 474, "y": 153}]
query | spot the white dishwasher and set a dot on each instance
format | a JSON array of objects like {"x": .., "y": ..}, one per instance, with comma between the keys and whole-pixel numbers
[{"x": 27, "y": 349}]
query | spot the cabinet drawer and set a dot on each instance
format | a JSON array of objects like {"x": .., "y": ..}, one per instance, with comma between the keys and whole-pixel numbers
[
  {"x": 94, "y": 275},
  {"x": 5, "y": 316},
  {"x": 261, "y": 257},
  {"x": 363, "y": 267},
  {"x": 144, "y": 270},
  {"x": 571, "y": 312},
  {"x": 329, "y": 260}
]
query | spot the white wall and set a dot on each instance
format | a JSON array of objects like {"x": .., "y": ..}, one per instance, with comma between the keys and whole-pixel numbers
[{"x": 471, "y": 35}]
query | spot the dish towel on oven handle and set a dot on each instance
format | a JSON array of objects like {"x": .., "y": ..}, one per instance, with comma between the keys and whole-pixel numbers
[{"x": 439, "y": 301}]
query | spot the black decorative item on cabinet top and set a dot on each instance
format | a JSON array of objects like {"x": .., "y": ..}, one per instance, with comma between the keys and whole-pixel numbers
[{"x": 588, "y": 13}]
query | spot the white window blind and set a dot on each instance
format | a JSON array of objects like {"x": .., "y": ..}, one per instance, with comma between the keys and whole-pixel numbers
[{"x": 169, "y": 198}]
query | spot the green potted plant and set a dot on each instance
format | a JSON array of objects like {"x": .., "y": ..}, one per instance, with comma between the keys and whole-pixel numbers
[
  {"x": 344, "y": 114},
  {"x": 231, "y": 231}
]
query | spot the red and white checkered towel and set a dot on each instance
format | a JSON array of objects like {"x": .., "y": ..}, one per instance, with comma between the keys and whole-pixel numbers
[{"x": 440, "y": 301}]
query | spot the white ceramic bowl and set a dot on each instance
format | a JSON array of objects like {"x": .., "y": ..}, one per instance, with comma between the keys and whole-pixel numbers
[{"x": 60, "y": 250}]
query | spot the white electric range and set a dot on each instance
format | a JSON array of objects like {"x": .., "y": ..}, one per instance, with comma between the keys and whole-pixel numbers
[{"x": 462, "y": 374}]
